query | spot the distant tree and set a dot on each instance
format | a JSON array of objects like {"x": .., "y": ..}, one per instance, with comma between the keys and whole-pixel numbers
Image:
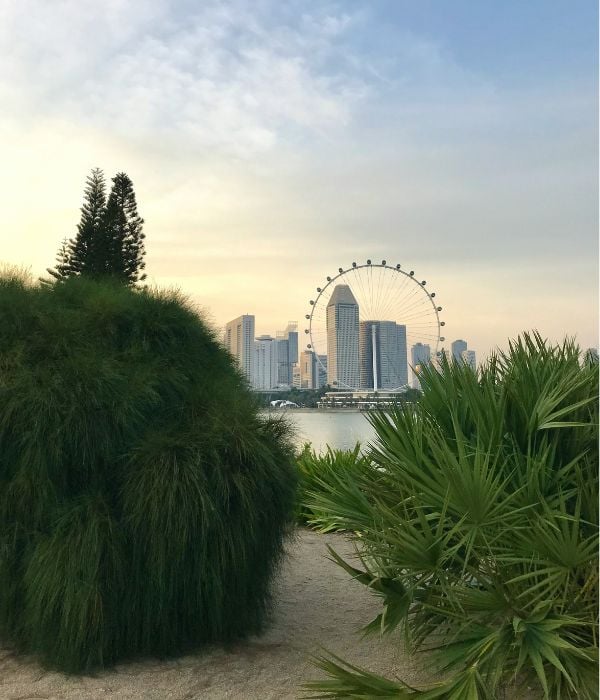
[
  {"x": 110, "y": 238},
  {"x": 123, "y": 229},
  {"x": 63, "y": 267}
]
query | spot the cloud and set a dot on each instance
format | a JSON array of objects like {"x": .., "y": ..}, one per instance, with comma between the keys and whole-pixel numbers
[{"x": 230, "y": 77}]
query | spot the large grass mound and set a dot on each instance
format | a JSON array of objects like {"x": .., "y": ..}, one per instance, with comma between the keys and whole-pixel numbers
[{"x": 143, "y": 500}]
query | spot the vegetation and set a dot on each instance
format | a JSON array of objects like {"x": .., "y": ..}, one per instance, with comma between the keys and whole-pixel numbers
[
  {"x": 143, "y": 499},
  {"x": 479, "y": 528},
  {"x": 110, "y": 237},
  {"x": 320, "y": 473}
]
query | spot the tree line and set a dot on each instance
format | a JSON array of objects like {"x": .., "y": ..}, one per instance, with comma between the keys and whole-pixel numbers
[{"x": 110, "y": 237}]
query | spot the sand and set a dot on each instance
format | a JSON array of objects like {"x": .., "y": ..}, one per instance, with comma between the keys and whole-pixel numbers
[{"x": 316, "y": 605}]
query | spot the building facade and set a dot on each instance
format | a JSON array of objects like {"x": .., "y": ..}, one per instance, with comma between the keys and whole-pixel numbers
[
  {"x": 342, "y": 339},
  {"x": 239, "y": 340},
  {"x": 287, "y": 349},
  {"x": 265, "y": 370},
  {"x": 420, "y": 356},
  {"x": 468, "y": 357},
  {"x": 382, "y": 353},
  {"x": 458, "y": 347}
]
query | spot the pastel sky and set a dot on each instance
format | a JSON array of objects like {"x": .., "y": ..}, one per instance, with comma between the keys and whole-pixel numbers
[{"x": 271, "y": 142}]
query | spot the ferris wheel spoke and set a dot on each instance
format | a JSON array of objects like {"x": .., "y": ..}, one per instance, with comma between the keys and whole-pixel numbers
[{"x": 386, "y": 294}]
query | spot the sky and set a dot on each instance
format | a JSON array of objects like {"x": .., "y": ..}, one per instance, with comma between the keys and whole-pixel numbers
[{"x": 270, "y": 143}]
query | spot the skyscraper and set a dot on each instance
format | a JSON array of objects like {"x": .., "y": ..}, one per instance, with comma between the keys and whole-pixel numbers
[
  {"x": 287, "y": 351},
  {"x": 239, "y": 340},
  {"x": 308, "y": 368},
  {"x": 468, "y": 357},
  {"x": 265, "y": 374},
  {"x": 342, "y": 339},
  {"x": 382, "y": 352},
  {"x": 458, "y": 347},
  {"x": 420, "y": 356}
]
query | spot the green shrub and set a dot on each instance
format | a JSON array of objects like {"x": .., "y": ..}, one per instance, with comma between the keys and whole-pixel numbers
[
  {"x": 320, "y": 473},
  {"x": 143, "y": 500},
  {"x": 479, "y": 530}
]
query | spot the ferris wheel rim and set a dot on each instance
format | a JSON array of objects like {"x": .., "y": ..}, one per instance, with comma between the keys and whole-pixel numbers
[{"x": 356, "y": 266}]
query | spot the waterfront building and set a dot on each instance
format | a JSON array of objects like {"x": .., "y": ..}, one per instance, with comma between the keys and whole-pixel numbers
[
  {"x": 265, "y": 366},
  {"x": 342, "y": 339},
  {"x": 458, "y": 347},
  {"x": 239, "y": 340},
  {"x": 382, "y": 353}
]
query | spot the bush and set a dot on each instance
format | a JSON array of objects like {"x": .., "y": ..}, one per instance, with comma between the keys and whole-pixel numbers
[
  {"x": 319, "y": 474},
  {"x": 143, "y": 500},
  {"x": 479, "y": 530}
]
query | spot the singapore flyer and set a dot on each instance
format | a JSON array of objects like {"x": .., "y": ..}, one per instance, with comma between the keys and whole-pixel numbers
[{"x": 372, "y": 325}]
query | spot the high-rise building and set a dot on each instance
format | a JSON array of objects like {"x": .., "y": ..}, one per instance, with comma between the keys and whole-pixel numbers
[
  {"x": 308, "y": 366},
  {"x": 342, "y": 339},
  {"x": 468, "y": 357},
  {"x": 322, "y": 371},
  {"x": 458, "y": 347},
  {"x": 420, "y": 356},
  {"x": 265, "y": 370},
  {"x": 382, "y": 352},
  {"x": 239, "y": 340},
  {"x": 287, "y": 351}
]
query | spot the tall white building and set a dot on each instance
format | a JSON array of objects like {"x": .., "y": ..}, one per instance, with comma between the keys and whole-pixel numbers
[
  {"x": 342, "y": 339},
  {"x": 265, "y": 374},
  {"x": 382, "y": 352},
  {"x": 239, "y": 340}
]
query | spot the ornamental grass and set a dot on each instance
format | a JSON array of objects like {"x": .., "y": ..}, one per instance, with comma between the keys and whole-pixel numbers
[
  {"x": 144, "y": 501},
  {"x": 478, "y": 529}
]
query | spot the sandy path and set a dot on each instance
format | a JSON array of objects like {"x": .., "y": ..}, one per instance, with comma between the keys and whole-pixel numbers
[{"x": 316, "y": 604}]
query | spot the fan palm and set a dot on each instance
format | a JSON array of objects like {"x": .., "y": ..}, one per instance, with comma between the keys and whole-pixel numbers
[{"x": 478, "y": 524}]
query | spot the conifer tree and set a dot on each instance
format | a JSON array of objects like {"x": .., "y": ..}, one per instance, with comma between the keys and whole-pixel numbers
[
  {"x": 63, "y": 267},
  {"x": 124, "y": 236},
  {"x": 110, "y": 238}
]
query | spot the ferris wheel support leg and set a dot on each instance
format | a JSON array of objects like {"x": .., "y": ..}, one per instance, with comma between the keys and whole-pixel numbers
[{"x": 374, "y": 348}]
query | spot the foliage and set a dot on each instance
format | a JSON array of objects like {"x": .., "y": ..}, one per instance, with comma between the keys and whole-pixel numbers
[
  {"x": 479, "y": 528},
  {"x": 320, "y": 473},
  {"x": 110, "y": 237},
  {"x": 143, "y": 499}
]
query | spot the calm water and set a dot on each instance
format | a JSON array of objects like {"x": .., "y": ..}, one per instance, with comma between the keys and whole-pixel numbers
[{"x": 340, "y": 429}]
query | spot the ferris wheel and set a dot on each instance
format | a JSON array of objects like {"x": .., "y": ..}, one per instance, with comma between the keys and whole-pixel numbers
[{"x": 372, "y": 325}]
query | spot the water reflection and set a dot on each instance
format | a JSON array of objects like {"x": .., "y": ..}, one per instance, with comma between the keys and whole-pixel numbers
[{"x": 339, "y": 429}]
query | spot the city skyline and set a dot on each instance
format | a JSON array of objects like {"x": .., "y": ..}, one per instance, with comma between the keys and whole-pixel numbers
[
  {"x": 269, "y": 146},
  {"x": 275, "y": 361}
]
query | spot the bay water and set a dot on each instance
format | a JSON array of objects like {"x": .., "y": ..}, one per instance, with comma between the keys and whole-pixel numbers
[{"x": 339, "y": 429}]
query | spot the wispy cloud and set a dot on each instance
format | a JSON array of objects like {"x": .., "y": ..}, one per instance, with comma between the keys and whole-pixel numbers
[{"x": 230, "y": 77}]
